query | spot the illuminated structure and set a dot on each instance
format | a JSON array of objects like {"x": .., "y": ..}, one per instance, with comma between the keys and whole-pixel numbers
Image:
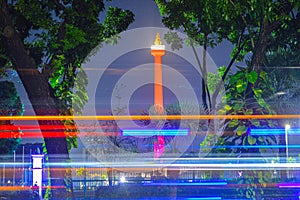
[
  {"x": 158, "y": 50},
  {"x": 37, "y": 172}
]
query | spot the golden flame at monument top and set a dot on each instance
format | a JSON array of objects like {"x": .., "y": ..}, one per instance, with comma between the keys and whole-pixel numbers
[
  {"x": 157, "y": 43},
  {"x": 157, "y": 40}
]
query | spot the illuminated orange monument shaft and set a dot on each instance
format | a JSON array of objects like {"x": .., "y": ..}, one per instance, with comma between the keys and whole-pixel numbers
[{"x": 158, "y": 50}]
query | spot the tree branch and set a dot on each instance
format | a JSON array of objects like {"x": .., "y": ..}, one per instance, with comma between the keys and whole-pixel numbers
[
  {"x": 204, "y": 75},
  {"x": 216, "y": 92},
  {"x": 246, "y": 24}
]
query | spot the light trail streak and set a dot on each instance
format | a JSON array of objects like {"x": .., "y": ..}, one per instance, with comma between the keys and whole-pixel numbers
[
  {"x": 149, "y": 132},
  {"x": 203, "y": 198},
  {"x": 51, "y": 134},
  {"x": 49, "y": 127},
  {"x": 20, "y": 188},
  {"x": 82, "y": 133},
  {"x": 153, "y": 117},
  {"x": 289, "y": 185},
  {"x": 251, "y": 146},
  {"x": 217, "y": 183},
  {"x": 279, "y": 131},
  {"x": 136, "y": 166}
]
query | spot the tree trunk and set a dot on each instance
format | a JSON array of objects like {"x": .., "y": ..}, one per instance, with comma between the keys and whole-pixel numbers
[
  {"x": 261, "y": 47},
  {"x": 43, "y": 104},
  {"x": 257, "y": 63},
  {"x": 41, "y": 97}
]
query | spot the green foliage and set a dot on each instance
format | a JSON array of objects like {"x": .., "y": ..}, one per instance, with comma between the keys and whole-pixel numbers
[
  {"x": 10, "y": 105},
  {"x": 173, "y": 39},
  {"x": 251, "y": 76},
  {"x": 252, "y": 183},
  {"x": 209, "y": 141},
  {"x": 255, "y": 28},
  {"x": 55, "y": 37},
  {"x": 239, "y": 22},
  {"x": 284, "y": 78},
  {"x": 59, "y": 35},
  {"x": 81, "y": 172},
  {"x": 214, "y": 78},
  {"x": 236, "y": 102}
]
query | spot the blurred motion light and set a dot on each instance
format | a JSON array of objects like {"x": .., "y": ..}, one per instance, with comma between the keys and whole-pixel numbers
[
  {"x": 273, "y": 131},
  {"x": 151, "y": 132},
  {"x": 172, "y": 183},
  {"x": 289, "y": 185},
  {"x": 202, "y": 198}
]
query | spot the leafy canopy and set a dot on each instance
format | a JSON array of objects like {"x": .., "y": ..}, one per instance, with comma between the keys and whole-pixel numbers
[
  {"x": 58, "y": 35},
  {"x": 10, "y": 105}
]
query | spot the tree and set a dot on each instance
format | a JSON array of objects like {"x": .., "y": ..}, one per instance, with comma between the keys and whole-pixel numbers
[
  {"x": 10, "y": 105},
  {"x": 252, "y": 27},
  {"x": 46, "y": 42},
  {"x": 281, "y": 64}
]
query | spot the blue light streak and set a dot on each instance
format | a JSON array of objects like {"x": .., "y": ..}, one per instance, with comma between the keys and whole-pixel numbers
[
  {"x": 275, "y": 131},
  {"x": 204, "y": 198},
  {"x": 217, "y": 183},
  {"x": 185, "y": 198},
  {"x": 152, "y": 132},
  {"x": 250, "y": 146}
]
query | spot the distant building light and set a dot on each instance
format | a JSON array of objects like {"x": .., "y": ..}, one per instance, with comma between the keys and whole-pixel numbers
[
  {"x": 280, "y": 93},
  {"x": 123, "y": 179}
]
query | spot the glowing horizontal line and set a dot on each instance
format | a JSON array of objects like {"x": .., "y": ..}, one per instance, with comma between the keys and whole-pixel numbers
[
  {"x": 148, "y": 132},
  {"x": 187, "y": 183},
  {"x": 204, "y": 198},
  {"x": 52, "y": 134},
  {"x": 290, "y": 131},
  {"x": 251, "y": 146},
  {"x": 153, "y": 117},
  {"x": 17, "y": 188},
  {"x": 184, "y": 167},
  {"x": 48, "y": 127},
  {"x": 289, "y": 185},
  {"x": 55, "y": 134},
  {"x": 185, "y": 198},
  {"x": 223, "y": 166}
]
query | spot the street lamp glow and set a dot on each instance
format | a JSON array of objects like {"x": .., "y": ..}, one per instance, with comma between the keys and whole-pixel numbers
[
  {"x": 123, "y": 179},
  {"x": 287, "y": 126}
]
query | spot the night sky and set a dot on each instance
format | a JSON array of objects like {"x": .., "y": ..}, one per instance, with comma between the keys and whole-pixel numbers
[{"x": 147, "y": 15}]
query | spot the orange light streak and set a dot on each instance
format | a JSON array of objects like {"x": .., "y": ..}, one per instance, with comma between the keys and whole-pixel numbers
[
  {"x": 18, "y": 188},
  {"x": 154, "y": 117}
]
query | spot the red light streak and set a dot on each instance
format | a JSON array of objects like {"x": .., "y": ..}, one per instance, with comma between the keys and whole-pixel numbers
[
  {"x": 53, "y": 134},
  {"x": 54, "y": 131},
  {"x": 46, "y": 127}
]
